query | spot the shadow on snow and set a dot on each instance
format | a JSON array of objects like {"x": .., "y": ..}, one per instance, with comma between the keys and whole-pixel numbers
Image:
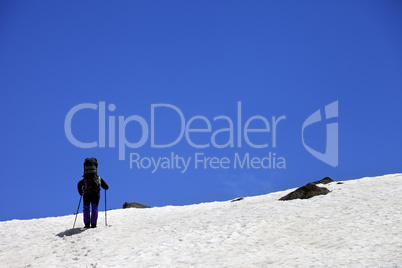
[{"x": 71, "y": 232}]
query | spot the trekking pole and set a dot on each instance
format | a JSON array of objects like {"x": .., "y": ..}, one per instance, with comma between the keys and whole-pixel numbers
[
  {"x": 105, "y": 210},
  {"x": 76, "y": 214}
]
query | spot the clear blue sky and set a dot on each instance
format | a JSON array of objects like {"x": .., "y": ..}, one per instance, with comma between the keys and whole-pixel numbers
[{"x": 276, "y": 58}]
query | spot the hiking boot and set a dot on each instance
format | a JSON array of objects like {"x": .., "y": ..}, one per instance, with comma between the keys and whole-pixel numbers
[
  {"x": 87, "y": 226},
  {"x": 93, "y": 225}
]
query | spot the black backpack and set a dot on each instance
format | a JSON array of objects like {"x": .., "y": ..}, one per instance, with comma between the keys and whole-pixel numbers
[{"x": 92, "y": 181}]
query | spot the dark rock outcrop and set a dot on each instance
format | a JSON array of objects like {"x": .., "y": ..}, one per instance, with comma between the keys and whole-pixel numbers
[
  {"x": 307, "y": 191},
  {"x": 237, "y": 199},
  {"x": 326, "y": 180},
  {"x": 134, "y": 205}
]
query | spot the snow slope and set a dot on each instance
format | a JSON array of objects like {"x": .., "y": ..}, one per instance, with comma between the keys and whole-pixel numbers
[{"x": 358, "y": 224}]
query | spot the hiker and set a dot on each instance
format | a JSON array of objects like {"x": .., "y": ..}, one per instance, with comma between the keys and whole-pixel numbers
[{"x": 89, "y": 186}]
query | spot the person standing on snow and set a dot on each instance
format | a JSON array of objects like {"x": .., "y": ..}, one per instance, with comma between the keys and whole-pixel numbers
[{"x": 90, "y": 186}]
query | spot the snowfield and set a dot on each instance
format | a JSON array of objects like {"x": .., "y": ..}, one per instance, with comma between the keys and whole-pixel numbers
[{"x": 358, "y": 224}]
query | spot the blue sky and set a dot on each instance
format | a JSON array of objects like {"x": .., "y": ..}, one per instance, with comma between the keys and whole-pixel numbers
[{"x": 276, "y": 58}]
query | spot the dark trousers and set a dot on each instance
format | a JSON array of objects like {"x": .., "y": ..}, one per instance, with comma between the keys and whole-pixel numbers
[{"x": 91, "y": 198}]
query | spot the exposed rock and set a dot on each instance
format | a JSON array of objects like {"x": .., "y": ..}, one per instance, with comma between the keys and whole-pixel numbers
[
  {"x": 323, "y": 181},
  {"x": 307, "y": 191},
  {"x": 237, "y": 199},
  {"x": 134, "y": 205}
]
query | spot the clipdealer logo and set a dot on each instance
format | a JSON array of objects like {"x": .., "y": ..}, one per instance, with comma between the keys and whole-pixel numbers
[
  {"x": 330, "y": 156},
  {"x": 236, "y": 134}
]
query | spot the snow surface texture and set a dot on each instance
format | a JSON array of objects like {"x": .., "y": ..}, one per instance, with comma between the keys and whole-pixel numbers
[{"x": 358, "y": 224}]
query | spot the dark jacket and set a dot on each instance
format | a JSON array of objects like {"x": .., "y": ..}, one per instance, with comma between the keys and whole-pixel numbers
[{"x": 80, "y": 186}]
